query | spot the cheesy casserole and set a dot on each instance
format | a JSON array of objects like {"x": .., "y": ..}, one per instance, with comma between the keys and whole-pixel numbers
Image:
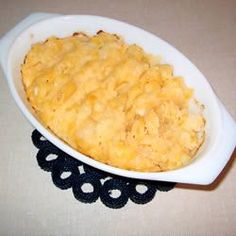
[{"x": 113, "y": 102}]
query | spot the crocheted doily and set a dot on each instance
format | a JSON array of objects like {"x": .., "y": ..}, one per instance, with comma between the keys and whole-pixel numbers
[{"x": 114, "y": 191}]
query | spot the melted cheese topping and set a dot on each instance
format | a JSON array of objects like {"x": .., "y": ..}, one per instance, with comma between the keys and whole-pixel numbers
[{"x": 113, "y": 102}]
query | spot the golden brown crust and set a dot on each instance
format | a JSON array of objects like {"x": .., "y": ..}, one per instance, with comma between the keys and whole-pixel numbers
[{"x": 113, "y": 102}]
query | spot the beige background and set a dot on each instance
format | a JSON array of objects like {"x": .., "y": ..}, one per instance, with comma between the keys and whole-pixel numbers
[{"x": 205, "y": 31}]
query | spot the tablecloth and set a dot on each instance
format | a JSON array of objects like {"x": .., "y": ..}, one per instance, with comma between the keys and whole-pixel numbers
[{"x": 31, "y": 205}]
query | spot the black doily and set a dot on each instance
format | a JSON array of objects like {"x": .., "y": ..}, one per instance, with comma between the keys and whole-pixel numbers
[{"x": 102, "y": 185}]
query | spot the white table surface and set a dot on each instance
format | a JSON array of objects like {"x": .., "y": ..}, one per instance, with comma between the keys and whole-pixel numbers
[{"x": 29, "y": 202}]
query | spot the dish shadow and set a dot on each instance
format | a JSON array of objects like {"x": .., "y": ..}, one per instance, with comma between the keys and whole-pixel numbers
[{"x": 217, "y": 181}]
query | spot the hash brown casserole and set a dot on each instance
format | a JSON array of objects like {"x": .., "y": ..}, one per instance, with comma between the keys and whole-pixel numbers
[{"x": 113, "y": 102}]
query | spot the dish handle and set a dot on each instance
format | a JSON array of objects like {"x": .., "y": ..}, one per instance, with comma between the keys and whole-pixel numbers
[
  {"x": 7, "y": 40},
  {"x": 228, "y": 139}
]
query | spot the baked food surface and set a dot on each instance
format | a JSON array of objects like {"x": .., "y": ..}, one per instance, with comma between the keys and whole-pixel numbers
[{"x": 113, "y": 102}]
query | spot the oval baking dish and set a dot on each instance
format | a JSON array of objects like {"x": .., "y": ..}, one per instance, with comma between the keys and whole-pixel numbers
[{"x": 220, "y": 127}]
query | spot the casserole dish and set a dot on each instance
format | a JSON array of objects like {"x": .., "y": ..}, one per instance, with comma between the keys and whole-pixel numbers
[{"x": 220, "y": 127}]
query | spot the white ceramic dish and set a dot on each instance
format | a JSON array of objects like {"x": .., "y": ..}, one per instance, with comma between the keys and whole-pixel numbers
[{"x": 220, "y": 130}]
